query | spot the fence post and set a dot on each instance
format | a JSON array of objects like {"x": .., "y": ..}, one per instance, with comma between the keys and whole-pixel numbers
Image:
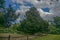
[
  {"x": 27, "y": 37},
  {"x": 9, "y": 37}
]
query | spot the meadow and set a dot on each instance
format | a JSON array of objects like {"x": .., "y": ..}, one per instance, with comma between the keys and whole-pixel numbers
[{"x": 48, "y": 37}]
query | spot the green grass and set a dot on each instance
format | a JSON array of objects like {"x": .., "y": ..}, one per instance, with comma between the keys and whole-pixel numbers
[
  {"x": 48, "y": 37},
  {"x": 8, "y": 30}
]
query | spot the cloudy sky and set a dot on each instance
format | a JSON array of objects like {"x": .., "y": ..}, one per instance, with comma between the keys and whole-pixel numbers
[{"x": 47, "y": 8}]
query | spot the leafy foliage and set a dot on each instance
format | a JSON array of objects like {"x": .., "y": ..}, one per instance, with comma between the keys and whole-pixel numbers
[
  {"x": 2, "y": 19},
  {"x": 2, "y": 2},
  {"x": 57, "y": 22},
  {"x": 33, "y": 23},
  {"x": 10, "y": 16},
  {"x": 7, "y": 15}
]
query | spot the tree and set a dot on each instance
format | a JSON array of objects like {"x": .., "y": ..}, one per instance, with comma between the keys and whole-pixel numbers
[
  {"x": 33, "y": 23},
  {"x": 7, "y": 16},
  {"x": 2, "y": 19},
  {"x": 57, "y": 21},
  {"x": 2, "y": 5},
  {"x": 2, "y": 2},
  {"x": 14, "y": 27},
  {"x": 10, "y": 15}
]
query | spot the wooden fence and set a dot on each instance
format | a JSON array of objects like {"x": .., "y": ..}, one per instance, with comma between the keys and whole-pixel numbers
[{"x": 16, "y": 38}]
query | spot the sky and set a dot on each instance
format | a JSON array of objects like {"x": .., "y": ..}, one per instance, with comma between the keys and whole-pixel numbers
[
  {"x": 47, "y": 8},
  {"x": 14, "y": 5},
  {"x": 7, "y": 2}
]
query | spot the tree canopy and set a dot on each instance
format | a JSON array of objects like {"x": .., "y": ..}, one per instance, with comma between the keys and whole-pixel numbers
[
  {"x": 2, "y": 2},
  {"x": 7, "y": 15},
  {"x": 57, "y": 21},
  {"x": 33, "y": 22}
]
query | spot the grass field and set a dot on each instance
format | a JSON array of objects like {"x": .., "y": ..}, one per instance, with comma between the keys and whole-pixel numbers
[{"x": 48, "y": 37}]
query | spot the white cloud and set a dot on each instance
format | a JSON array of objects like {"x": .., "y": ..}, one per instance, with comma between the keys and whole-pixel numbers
[
  {"x": 53, "y": 5},
  {"x": 45, "y": 15},
  {"x": 22, "y": 11}
]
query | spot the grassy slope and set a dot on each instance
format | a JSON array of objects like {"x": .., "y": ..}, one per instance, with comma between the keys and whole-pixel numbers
[{"x": 48, "y": 37}]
